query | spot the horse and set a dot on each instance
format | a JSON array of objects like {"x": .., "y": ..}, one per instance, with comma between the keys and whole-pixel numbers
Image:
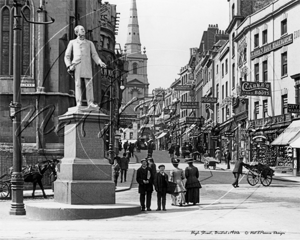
[{"x": 35, "y": 173}]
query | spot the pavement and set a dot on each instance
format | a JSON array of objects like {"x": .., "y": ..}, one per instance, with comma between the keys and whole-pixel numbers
[{"x": 224, "y": 212}]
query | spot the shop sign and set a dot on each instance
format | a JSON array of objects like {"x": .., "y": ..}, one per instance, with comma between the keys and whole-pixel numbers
[
  {"x": 214, "y": 138},
  {"x": 189, "y": 105},
  {"x": 28, "y": 83},
  {"x": 183, "y": 88},
  {"x": 271, "y": 120},
  {"x": 272, "y": 46},
  {"x": 209, "y": 100},
  {"x": 293, "y": 108},
  {"x": 192, "y": 120},
  {"x": 256, "y": 88}
]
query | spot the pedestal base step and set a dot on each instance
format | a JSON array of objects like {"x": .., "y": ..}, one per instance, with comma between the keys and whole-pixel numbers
[{"x": 60, "y": 211}]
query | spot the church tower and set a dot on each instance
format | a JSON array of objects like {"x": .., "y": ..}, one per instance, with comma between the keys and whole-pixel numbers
[{"x": 137, "y": 79}]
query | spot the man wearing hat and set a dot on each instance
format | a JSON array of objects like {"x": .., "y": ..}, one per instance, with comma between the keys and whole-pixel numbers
[
  {"x": 161, "y": 185},
  {"x": 145, "y": 180},
  {"x": 237, "y": 171}
]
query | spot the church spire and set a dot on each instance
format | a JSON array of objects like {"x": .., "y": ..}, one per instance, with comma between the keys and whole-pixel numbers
[{"x": 133, "y": 43}]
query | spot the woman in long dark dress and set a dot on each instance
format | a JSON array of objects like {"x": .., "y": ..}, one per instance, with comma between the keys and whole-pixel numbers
[{"x": 192, "y": 184}]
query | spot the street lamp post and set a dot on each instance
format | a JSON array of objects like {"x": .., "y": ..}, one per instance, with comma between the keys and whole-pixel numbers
[{"x": 17, "y": 181}]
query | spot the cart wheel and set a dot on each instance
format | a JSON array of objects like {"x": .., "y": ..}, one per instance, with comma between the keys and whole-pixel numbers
[
  {"x": 4, "y": 190},
  {"x": 266, "y": 177},
  {"x": 252, "y": 178}
]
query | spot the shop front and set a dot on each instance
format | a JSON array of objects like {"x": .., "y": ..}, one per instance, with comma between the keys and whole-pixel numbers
[
  {"x": 286, "y": 145},
  {"x": 264, "y": 147}
]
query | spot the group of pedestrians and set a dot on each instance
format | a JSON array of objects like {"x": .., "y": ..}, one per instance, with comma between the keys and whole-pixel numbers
[
  {"x": 120, "y": 166},
  {"x": 187, "y": 188}
]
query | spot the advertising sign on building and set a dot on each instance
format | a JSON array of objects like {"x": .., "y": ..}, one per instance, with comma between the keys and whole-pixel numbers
[
  {"x": 189, "y": 105},
  {"x": 272, "y": 46},
  {"x": 209, "y": 100},
  {"x": 256, "y": 89},
  {"x": 192, "y": 120},
  {"x": 183, "y": 88},
  {"x": 293, "y": 108}
]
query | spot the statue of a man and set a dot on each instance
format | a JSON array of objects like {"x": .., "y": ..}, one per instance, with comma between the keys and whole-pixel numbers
[{"x": 83, "y": 50}]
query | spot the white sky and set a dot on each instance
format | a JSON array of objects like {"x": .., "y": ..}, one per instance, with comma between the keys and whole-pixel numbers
[{"x": 168, "y": 29}]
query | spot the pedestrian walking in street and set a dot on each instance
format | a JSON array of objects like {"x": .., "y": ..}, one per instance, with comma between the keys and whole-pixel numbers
[
  {"x": 150, "y": 148},
  {"x": 228, "y": 158},
  {"x": 177, "y": 176},
  {"x": 171, "y": 150},
  {"x": 116, "y": 171},
  {"x": 145, "y": 181},
  {"x": 237, "y": 171},
  {"x": 124, "y": 162},
  {"x": 192, "y": 184},
  {"x": 117, "y": 158},
  {"x": 125, "y": 146},
  {"x": 131, "y": 149},
  {"x": 161, "y": 185}
]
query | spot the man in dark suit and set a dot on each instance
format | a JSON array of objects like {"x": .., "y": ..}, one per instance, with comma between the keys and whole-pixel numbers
[
  {"x": 161, "y": 185},
  {"x": 145, "y": 180},
  {"x": 237, "y": 171}
]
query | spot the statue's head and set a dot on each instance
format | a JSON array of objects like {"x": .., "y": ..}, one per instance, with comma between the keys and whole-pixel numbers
[{"x": 79, "y": 30}]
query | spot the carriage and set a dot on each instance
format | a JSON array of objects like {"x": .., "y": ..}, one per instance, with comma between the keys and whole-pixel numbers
[
  {"x": 30, "y": 173},
  {"x": 259, "y": 172}
]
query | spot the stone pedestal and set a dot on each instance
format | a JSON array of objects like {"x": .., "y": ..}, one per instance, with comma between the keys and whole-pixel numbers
[
  {"x": 84, "y": 175},
  {"x": 84, "y": 188}
]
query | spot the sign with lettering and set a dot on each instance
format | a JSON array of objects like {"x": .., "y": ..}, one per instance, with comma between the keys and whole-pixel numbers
[
  {"x": 272, "y": 46},
  {"x": 209, "y": 100},
  {"x": 256, "y": 89},
  {"x": 189, "y": 105},
  {"x": 293, "y": 108},
  {"x": 183, "y": 88},
  {"x": 192, "y": 120},
  {"x": 29, "y": 83}
]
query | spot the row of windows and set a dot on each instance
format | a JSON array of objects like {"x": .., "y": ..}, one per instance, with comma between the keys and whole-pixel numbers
[
  {"x": 264, "y": 38},
  {"x": 264, "y": 107},
  {"x": 265, "y": 68}
]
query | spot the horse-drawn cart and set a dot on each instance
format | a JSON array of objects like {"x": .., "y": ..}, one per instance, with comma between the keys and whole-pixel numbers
[
  {"x": 33, "y": 174},
  {"x": 4, "y": 187},
  {"x": 259, "y": 172},
  {"x": 210, "y": 162}
]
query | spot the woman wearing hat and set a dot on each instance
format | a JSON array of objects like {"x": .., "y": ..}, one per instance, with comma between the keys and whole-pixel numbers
[
  {"x": 192, "y": 184},
  {"x": 177, "y": 176}
]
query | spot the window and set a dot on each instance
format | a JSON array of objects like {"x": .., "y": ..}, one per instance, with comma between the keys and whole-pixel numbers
[
  {"x": 265, "y": 37},
  {"x": 256, "y": 109},
  {"x": 256, "y": 40},
  {"x": 265, "y": 71},
  {"x": 232, "y": 10},
  {"x": 223, "y": 114},
  {"x": 134, "y": 68},
  {"x": 222, "y": 70},
  {"x": 226, "y": 89},
  {"x": 226, "y": 66},
  {"x": 217, "y": 69},
  {"x": 222, "y": 92},
  {"x": 256, "y": 72},
  {"x": 6, "y": 40},
  {"x": 245, "y": 54},
  {"x": 245, "y": 77},
  {"x": 232, "y": 46},
  {"x": 284, "y": 27},
  {"x": 284, "y": 64},
  {"x": 265, "y": 108},
  {"x": 218, "y": 114},
  {"x": 131, "y": 135},
  {"x": 233, "y": 76},
  {"x": 217, "y": 91},
  {"x": 284, "y": 103}
]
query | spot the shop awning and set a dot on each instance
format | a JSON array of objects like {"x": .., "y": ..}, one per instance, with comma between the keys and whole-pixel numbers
[
  {"x": 288, "y": 135},
  {"x": 162, "y": 135},
  {"x": 190, "y": 128}
]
